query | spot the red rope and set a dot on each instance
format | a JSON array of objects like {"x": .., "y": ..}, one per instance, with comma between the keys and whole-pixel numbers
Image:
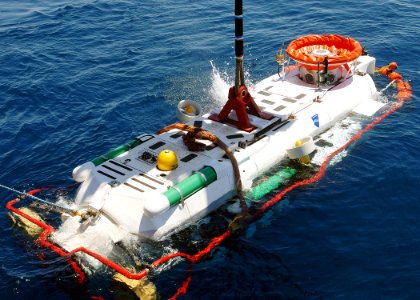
[
  {"x": 183, "y": 288},
  {"x": 196, "y": 257},
  {"x": 42, "y": 239}
]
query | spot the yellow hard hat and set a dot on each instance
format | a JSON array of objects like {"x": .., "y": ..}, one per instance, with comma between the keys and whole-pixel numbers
[{"x": 167, "y": 160}]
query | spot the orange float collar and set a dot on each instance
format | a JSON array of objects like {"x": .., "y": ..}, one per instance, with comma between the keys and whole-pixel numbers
[{"x": 342, "y": 49}]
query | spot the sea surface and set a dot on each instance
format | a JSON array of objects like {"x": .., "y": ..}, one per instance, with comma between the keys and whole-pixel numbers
[{"x": 80, "y": 77}]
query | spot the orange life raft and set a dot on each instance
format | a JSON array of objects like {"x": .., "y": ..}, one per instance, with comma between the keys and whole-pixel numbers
[{"x": 312, "y": 49}]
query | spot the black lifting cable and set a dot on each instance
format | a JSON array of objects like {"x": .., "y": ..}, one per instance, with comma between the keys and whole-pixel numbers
[{"x": 239, "y": 46}]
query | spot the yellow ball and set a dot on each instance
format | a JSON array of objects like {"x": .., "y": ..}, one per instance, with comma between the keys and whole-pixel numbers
[
  {"x": 189, "y": 109},
  {"x": 167, "y": 160}
]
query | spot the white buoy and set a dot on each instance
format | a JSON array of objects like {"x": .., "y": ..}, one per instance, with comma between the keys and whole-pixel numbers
[
  {"x": 188, "y": 110},
  {"x": 302, "y": 147}
]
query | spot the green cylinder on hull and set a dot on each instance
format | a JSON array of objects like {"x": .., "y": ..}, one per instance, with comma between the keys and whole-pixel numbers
[
  {"x": 115, "y": 152},
  {"x": 259, "y": 191},
  {"x": 189, "y": 186}
]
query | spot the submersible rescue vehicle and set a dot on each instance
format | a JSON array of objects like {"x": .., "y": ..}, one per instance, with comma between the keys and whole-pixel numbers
[{"x": 160, "y": 183}]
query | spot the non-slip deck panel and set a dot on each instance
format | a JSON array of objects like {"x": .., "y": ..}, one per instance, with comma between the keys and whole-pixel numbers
[
  {"x": 151, "y": 178},
  {"x": 279, "y": 108},
  {"x": 113, "y": 170},
  {"x": 144, "y": 183},
  {"x": 133, "y": 187},
  {"x": 235, "y": 136},
  {"x": 107, "y": 175},
  {"x": 300, "y": 96},
  {"x": 120, "y": 165},
  {"x": 264, "y": 93},
  {"x": 189, "y": 157},
  {"x": 267, "y": 102},
  {"x": 291, "y": 100},
  {"x": 177, "y": 135},
  {"x": 157, "y": 145}
]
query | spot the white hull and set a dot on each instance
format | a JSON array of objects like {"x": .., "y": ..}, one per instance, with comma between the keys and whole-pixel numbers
[{"x": 121, "y": 187}]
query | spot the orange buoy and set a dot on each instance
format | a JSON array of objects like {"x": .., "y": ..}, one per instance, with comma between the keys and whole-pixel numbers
[
  {"x": 404, "y": 90},
  {"x": 388, "y": 69},
  {"x": 395, "y": 76},
  {"x": 393, "y": 66},
  {"x": 311, "y": 50}
]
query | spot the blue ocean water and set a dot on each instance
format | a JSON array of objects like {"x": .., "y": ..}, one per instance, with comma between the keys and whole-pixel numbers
[{"x": 80, "y": 77}]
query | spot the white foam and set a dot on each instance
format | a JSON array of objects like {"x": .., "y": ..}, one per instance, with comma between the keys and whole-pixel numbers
[
  {"x": 99, "y": 238},
  {"x": 336, "y": 137}
]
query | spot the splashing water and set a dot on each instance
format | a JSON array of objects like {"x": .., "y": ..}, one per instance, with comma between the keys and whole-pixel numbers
[
  {"x": 219, "y": 88},
  {"x": 221, "y": 83},
  {"x": 100, "y": 239}
]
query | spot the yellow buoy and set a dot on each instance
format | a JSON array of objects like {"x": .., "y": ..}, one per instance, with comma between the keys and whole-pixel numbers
[
  {"x": 142, "y": 288},
  {"x": 167, "y": 160},
  {"x": 31, "y": 228},
  {"x": 304, "y": 159}
]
